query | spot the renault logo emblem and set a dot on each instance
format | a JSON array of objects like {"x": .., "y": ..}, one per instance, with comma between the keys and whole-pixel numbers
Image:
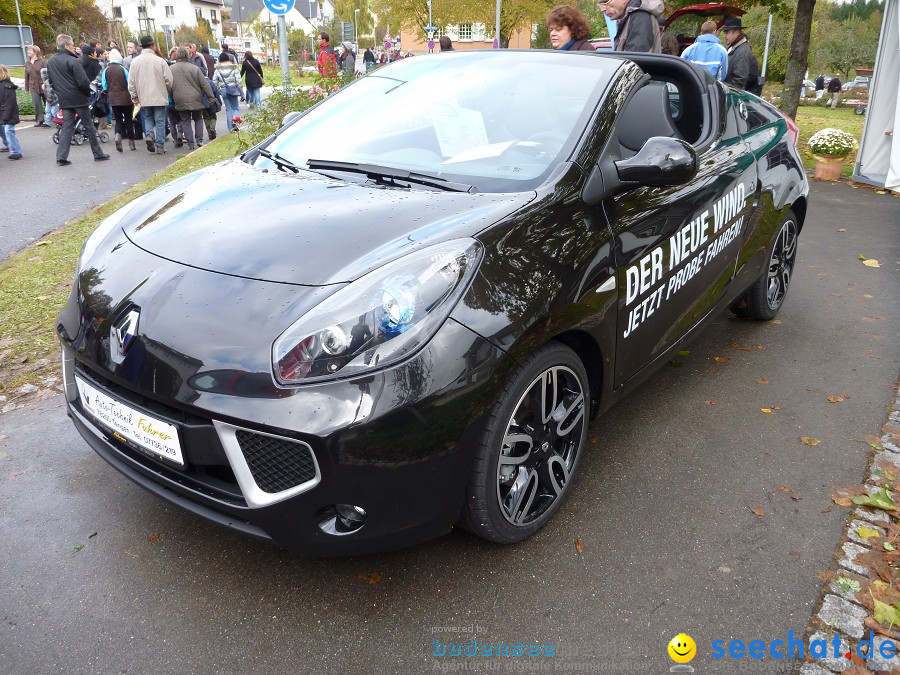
[{"x": 123, "y": 332}]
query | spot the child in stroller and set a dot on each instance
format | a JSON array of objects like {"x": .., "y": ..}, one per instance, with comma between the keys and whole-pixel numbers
[{"x": 97, "y": 104}]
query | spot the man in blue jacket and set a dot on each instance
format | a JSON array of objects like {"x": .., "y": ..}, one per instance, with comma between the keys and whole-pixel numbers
[{"x": 707, "y": 52}]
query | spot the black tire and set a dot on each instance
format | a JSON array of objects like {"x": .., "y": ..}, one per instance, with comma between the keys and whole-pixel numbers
[
  {"x": 545, "y": 430},
  {"x": 104, "y": 137},
  {"x": 56, "y": 137},
  {"x": 764, "y": 298},
  {"x": 859, "y": 110}
]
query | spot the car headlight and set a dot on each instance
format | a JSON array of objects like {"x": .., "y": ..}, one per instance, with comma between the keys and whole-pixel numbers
[{"x": 379, "y": 319}]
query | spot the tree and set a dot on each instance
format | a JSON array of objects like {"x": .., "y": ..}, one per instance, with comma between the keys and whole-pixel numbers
[
  {"x": 798, "y": 59},
  {"x": 81, "y": 19},
  {"x": 199, "y": 34}
]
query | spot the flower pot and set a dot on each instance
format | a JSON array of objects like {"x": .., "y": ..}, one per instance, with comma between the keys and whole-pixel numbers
[{"x": 829, "y": 168}]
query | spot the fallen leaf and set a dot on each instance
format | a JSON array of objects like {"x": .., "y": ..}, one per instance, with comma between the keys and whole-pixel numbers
[
  {"x": 721, "y": 359},
  {"x": 868, "y": 296},
  {"x": 796, "y": 497},
  {"x": 784, "y": 488},
  {"x": 871, "y": 263},
  {"x": 796, "y": 554},
  {"x": 724, "y": 568},
  {"x": 885, "y": 614},
  {"x": 842, "y": 229},
  {"x": 75, "y": 547},
  {"x": 774, "y": 320},
  {"x": 874, "y": 441},
  {"x": 828, "y": 509},
  {"x": 846, "y": 584},
  {"x": 762, "y": 380},
  {"x": 579, "y": 547},
  {"x": 872, "y": 318},
  {"x": 776, "y": 407},
  {"x": 880, "y": 192},
  {"x": 760, "y": 346},
  {"x": 758, "y": 511},
  {"x": 710, "y": 403},
  {"x": 371, "y": 579},
  {"x": 809, "y": 440},
  {"x": 841, "y": 501},
  {"x": 880, "y": 500},
  {"x": 888, "y": 546},
  {"x": 153, "y": 538},
  {"x": 684, "y": 352},
  {"x": 861, "y": 256},
  {"x": 867, "y": 532},
  {"x": 674, "y": 364},
  {"x": 91, "y": 536},
  {"x": 13, "y": 474},
  {"x": 768, "y": 411},
  {"x": 43, "y": 243},
  {"x": 43, "y": 297},
  {"x": 835, "y": 399}
]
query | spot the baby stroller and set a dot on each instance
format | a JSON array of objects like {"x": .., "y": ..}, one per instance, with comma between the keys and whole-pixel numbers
[{"x": 97, "y": 106}]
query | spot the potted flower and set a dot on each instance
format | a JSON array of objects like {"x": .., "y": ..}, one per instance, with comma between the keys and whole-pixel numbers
[{"x": 830, "y": 148}]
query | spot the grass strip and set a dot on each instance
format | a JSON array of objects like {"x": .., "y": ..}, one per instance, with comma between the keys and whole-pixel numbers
[{"x": 35, "y": 282}]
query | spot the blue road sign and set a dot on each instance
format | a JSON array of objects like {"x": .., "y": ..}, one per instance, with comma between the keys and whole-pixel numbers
[{"x": 279, "y": 6}]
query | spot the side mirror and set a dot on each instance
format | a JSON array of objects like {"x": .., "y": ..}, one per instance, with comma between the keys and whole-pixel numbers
[
  {"x": 290, "y": 117},
  {"x": 662, "y": 161}
]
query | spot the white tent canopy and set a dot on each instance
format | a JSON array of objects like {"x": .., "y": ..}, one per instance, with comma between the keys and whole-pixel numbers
[{"x": 878, "y": 161}]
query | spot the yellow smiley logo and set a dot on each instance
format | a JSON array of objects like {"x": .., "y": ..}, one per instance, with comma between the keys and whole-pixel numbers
[{"x": 682, "y": 648}]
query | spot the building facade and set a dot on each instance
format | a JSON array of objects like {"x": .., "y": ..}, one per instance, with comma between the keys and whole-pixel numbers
[{"x": 144, "y": 17}]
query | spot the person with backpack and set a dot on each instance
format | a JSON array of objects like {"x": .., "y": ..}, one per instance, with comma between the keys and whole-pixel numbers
[
  {"x": 327, "y": 61},
  {"x": 228, "y": 78},
  {"x": 114, "y": 80}
]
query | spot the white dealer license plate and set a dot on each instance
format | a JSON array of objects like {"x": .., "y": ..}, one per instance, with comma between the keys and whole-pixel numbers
[{"x": 151, "y": 434}]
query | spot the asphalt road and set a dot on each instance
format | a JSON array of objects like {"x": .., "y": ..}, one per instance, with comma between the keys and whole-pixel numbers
[
  {"x": 45, "y": 195},
  {"x": 662, "y": 508}
]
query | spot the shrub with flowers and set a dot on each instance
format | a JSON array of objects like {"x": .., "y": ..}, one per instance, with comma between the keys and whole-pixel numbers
[
  {"x": 831, "y": 143},
  {"x": 266, "y": 119}
]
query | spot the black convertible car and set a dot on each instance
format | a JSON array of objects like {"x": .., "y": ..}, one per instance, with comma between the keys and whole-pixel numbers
[{"x": 358, "y": 335}]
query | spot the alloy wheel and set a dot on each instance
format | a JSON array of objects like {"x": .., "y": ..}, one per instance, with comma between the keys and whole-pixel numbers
[
  {"x": 781, "y": 264},
  {"x": 540, "y": 446}
]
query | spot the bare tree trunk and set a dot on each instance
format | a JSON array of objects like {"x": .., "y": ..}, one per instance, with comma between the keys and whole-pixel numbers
[{"x": 798, "y": 59}]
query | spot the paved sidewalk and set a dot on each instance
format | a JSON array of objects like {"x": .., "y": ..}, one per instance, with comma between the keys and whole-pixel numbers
[{"x": 867, "y": 568}]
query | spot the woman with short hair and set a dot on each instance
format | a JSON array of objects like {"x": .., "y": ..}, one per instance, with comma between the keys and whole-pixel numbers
[
  {"x": 34, "y": 83},
  {"x": 569, "y": 30}
]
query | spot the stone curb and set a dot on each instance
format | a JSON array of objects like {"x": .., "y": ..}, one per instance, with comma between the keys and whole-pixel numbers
[{"x": 841, "y": 611}]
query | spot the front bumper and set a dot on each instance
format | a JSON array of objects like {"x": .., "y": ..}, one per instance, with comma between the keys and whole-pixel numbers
[{"x": 397, "y": 443}]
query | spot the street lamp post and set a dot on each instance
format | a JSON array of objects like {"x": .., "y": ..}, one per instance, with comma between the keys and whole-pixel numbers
[{"x": 355, "y": 31}]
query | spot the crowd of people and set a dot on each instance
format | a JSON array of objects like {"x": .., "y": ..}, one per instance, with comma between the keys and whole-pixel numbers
[{"x": 147, "y": 96}]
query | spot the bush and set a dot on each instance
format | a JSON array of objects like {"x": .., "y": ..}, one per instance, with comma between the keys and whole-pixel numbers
[
  {"x": 26, "y": 106},
  {"x": 266, "y": 119}
]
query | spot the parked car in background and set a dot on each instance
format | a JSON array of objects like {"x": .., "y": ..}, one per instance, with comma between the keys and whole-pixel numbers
[{"x": 858, "y": 83}]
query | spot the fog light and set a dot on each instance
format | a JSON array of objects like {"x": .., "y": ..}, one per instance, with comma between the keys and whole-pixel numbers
[{"x": 342, "y": 519}]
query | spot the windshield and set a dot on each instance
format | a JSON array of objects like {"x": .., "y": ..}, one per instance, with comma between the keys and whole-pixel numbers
[{"x": 500, "y": 121}]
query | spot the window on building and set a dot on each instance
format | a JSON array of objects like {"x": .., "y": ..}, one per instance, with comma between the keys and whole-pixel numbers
[
  {"x": 142, "y": 11},
  {"x": 170, "y": 10},
  {"x": 117, "y": 12},
  {"x": 199, "y": 13},
  {"x": 212, "y": 14},
  {"x": 465, "y": 31}
]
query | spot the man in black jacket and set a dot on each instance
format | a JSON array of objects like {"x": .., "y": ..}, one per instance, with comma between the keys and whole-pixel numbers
[
  {"x": 743, "y": 69},
  {"x": 72, "y": 87},
  {"x": 834, "y": 91}
]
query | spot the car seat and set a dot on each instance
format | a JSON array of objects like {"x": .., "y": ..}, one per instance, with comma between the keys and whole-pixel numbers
[{"x": 647, "y": 114}]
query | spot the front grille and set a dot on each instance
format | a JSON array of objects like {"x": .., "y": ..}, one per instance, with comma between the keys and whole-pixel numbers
[{"x": 276, "y": 464}]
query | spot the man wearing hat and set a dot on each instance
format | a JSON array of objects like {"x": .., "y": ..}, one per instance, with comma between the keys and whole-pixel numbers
[
  {"x": 149, "y": 82},
  {"x": 743, "y": 70}
]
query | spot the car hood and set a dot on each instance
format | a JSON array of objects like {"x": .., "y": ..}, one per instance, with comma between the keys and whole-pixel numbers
[{"x": 237, "y": 219}]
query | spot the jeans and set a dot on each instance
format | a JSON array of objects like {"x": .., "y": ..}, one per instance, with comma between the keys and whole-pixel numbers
[
  {"x": 155, "y": 123},
  {"x": 190, "y": 134},
  {"x": 209, "y": 119},
  {"x": 3, "y": 138},
  {"x": 68, "y": 129},
  {"x": 50, "y": 110},
  {"x": 9, "y": 130},
  {"x": 231, "y": 108},
  {"x": 253, "y": 97}
]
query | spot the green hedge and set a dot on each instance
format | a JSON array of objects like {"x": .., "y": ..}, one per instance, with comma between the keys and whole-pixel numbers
[{"x": 26, "y": 107}]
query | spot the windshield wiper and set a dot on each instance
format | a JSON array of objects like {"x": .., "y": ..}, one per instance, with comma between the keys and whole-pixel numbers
[
  {"x": 384, "y": 173},
  {"x": 280, "y": 161}
]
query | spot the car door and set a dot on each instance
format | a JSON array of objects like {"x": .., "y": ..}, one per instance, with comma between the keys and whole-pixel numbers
[{"x": 676, "y": 249}]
